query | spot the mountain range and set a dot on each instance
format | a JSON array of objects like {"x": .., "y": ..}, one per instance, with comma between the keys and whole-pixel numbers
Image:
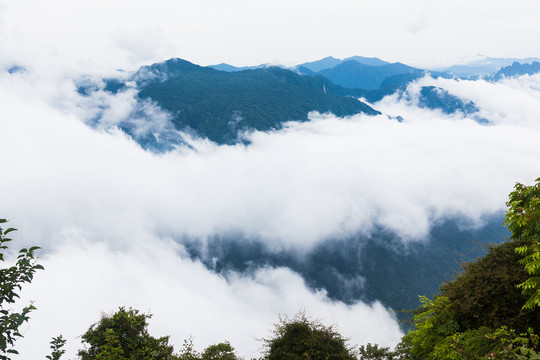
[
  {"x": 517, "y": 69},
  {"x": 352, "y": 74},
  {"x": 222, "y": 102},
  {"x": 220, "y": 105},
  {"x": 483, "y": 66}
]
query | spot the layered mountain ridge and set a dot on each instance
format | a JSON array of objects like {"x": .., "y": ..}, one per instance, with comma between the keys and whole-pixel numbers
[
  {"x": 223, "y": 105},
  {"x": 223, "y": 102}
]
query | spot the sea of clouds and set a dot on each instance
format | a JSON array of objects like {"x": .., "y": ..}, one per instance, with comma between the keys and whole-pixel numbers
[{"x": 109, "y": 215}]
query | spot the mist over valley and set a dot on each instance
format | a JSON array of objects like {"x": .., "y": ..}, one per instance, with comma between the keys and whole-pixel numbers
[
  {"x": 224, "y": 165},
  {"x": 258, "y": 192}
]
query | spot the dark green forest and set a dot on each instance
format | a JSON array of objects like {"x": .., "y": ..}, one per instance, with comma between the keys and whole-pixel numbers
[
  {"x": 220, "y": 104},
  {"x": 368, "y": 268}
]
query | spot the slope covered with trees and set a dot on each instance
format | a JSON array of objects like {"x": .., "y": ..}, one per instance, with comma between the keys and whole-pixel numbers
[
  {"x": 491, "y": 309},
  {"x": 222, "y": 102},
  {"x": 219, "y": 105},
  {"x": 368, "y": 268}
]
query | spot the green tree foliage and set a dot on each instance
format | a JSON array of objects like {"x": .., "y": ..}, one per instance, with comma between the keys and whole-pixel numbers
[
  {"x": 523, "y": 220},
  {"x": 57, "y": 344},
  {"x": 112, "y": 350},
  {"x": 188, "y": 351},
  {"x": 501, "y": 343},
  {"x": 221, "y": 351},
  {"x": 482, "y": 313},
  {"x": 376, "y": 352},
  {"x": 124, "y": 335},
  {"x": 11, "y": 280},
  {"x": 302, "y": 339},
  {"x": 473, "y": 312},
  {"x": 486, "y": 293},
  {"x": 434, "y": 322}
]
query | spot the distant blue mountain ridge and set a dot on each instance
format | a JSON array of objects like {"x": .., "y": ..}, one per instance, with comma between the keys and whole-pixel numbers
[
  {"x": 318, "y": 65},
  {"x": 484, "y": 66},
  {"x": 313, "y": 66},
  {"x": 230, "y": 68},
  {"x": 330, "y": 62},
  {"x": 222, "y": 105},
  {"x": 517, "y": 69},
  {"x": 222, "y": 102},
  {"x": 352, "y": 74}
]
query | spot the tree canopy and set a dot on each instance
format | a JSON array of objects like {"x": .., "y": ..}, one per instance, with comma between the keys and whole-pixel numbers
[
  {"x": 523, "y": 220},
  {"x": 124, "y": 335},
  {"x": 300, "y": 339},
  {"x": 219, "y": 105},
  {"x": 491, "y": 309}
]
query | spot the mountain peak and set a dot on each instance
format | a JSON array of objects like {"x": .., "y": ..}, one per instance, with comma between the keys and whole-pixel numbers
[
  {"x": 371, "y": 61},
  {"x": 318, "y": 65}
]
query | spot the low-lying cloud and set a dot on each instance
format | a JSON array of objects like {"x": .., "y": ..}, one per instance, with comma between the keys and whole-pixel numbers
[
  {"x": 84, "y": 278},
  {"x": 109, "y": 215}
]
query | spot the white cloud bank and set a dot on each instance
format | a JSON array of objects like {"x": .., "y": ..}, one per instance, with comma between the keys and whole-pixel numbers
[
  {"x": 82, "y": 279},
  {"x": 105, "y": 211},
  {"x": 293, "y": 188}
]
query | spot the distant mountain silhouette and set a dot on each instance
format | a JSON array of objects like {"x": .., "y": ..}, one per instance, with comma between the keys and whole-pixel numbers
[
  {"x": 326, "y": 63},
  {"x": 231, "y": 68},
  {"x": 392, "y": 84},
  {"x": 222, "y": 105},
  {"x": 371, "y": 61},
  {"x": 484, "y": 66},
  {"x": 352, "y": 74},
  {"x": 430, "y": 97},
  {"x": 517, "y": 69}
]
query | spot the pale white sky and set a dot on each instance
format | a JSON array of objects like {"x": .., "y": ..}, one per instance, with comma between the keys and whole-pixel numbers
[{"x": 126, "y": 34}]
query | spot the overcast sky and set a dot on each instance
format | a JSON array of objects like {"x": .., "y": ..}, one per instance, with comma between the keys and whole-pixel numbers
[
  {"x": 126, "y": 34},
  {"x": 107, "y": 213}
]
